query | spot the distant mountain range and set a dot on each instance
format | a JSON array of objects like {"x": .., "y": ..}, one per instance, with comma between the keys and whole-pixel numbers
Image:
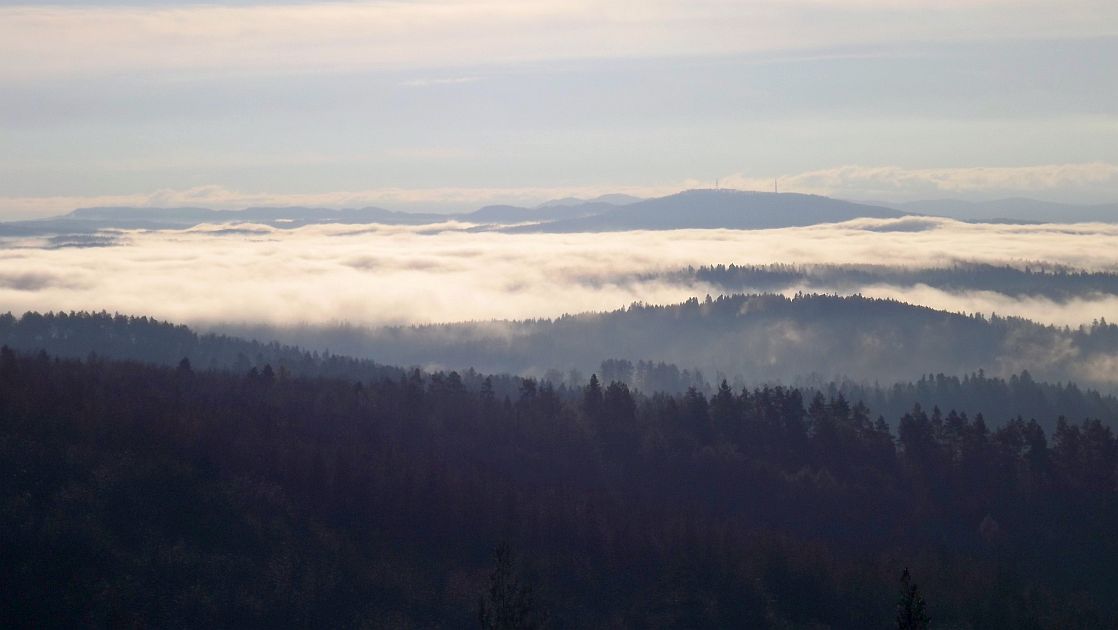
[
  {"x": 692, "y": 209},
  {"x": 689, "y": 209},
  {"x": 614, "y": 199}
]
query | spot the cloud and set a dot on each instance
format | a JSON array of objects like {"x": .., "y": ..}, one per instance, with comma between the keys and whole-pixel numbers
[
  {"x": 895, "y": 183},
  {"x": 371, "y": 275},
  {"x": 32, "y": 281},
  {"x": 38, "y": 41},
  {"x": 1072, "y": 312}
]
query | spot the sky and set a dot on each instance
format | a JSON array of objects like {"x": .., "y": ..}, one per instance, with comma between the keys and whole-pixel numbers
[{"x": 447, "y": 105}]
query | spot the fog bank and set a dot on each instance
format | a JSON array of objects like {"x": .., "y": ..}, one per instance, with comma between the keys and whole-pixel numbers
[{"x": 379, "y": 275}]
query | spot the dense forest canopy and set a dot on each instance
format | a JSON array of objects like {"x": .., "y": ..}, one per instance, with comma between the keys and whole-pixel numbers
[
  {"x": 79, "y": 335},
  {"x": 143, "y": 495},
  {"x": 157, "y": 476}
]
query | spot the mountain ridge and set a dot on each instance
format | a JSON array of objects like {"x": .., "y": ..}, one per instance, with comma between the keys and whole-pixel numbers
[{"x": 688, "y": 209}]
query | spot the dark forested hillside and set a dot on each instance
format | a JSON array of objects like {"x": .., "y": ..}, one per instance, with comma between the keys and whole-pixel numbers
[
  {"x": 139, "y": 495},
  {"x": 149, "y": 340},
  {"x": 1003, "y": 398},
  {"x": 755, "y": 338},
  {"x": 115, "y": 336},
  {"x": 1000, "y": 399},
  {"x": 79, "y": 335}
]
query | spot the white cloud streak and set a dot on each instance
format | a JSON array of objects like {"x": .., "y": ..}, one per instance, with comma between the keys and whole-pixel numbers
[{"x": 894, "y": 183}]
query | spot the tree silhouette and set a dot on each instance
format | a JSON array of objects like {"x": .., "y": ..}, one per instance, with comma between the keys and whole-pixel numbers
[
  {"x": 508, "y": 603},
  {"x": 592, "y": 398},
  {"x": 911, "y": 613}
]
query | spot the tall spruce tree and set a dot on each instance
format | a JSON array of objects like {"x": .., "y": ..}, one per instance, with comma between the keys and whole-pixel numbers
[
  {"x": 507, "y": 605},
  {"x": 911, "y": 612}
]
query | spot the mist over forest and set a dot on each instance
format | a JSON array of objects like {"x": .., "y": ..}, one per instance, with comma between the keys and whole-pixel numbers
[
  {"x": 771, "y": 338},
  {"x": 347, "y": 412},
  {"x": 549, "y": 315},
  {"x": 374, "y": 274}
]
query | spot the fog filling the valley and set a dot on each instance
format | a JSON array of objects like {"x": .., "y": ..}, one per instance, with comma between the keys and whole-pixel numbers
[{"x": 377, "y": 275}]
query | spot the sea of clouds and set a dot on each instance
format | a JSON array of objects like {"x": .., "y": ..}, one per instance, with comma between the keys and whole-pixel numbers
[{"x": 375, "y": 275}]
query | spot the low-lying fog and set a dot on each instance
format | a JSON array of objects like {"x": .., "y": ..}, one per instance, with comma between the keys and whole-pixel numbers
[{"x": 373, "y": 275}]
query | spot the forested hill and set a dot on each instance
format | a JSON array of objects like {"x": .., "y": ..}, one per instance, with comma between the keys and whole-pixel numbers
[
  {"x": 757, "y": 338},
  {"x": 148, "y": 496},
  {"x": 139, "y": 338},
  {"x": 1000, "y": 399},
  {"x": 79, "y": 335},
  {"x": 1019, "y": 396}
]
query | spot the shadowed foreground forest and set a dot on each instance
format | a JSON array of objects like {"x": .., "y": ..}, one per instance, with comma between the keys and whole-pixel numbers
[{"x": 137, "y": 495}]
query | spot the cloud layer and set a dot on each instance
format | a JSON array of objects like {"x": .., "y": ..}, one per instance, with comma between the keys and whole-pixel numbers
[
  {"x": 370, "y": 275},
  {"x": 894, "y": 183}
]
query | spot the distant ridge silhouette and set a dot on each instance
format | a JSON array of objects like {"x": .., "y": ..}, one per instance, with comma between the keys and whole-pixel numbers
[{"x": 690, "y": 209}]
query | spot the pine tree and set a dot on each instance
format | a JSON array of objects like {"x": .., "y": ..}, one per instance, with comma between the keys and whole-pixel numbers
[
  {"x": 507, "y": 605},
  {"x": 911, "y": 613},
  {"x": 592, "y": 398}
]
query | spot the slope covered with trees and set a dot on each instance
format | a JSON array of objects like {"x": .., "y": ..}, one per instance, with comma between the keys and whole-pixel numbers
[
  {"x": 79, "y": 335},
  {"x": 754, "y": 338},
  {"x": 147, "y": 495},
  {"x": 1004, "y": 398}
]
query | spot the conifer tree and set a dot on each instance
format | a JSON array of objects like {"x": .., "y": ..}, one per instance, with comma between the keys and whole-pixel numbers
[
  {"x": 911, "y": 612},
  {"x": 507, "y": 605},
  {"x": 592, "y": 398}
]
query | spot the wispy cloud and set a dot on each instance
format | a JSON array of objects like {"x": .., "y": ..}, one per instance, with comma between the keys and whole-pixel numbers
[
  {"x": 90, "y": 39},
  {"x": 894, "y": 183}
]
